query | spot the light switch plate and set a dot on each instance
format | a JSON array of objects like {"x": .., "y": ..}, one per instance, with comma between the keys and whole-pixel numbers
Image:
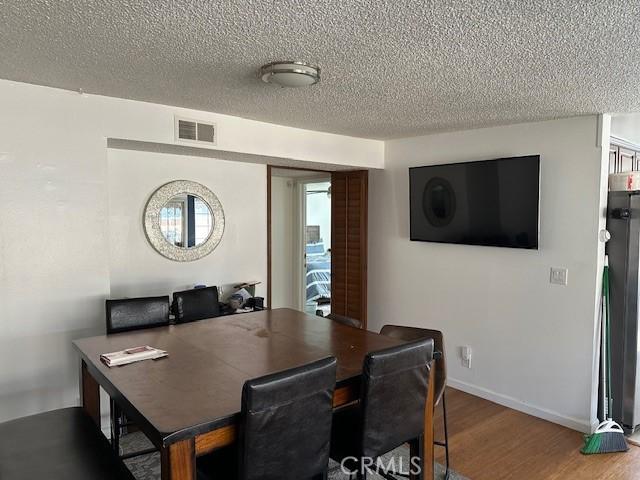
[
  {"x": 559, "y": 276},
  {"x": 465, "y": 353}
]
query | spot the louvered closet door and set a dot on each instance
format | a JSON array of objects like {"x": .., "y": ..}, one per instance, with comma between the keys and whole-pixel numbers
[{"x": 349, "y": 201}]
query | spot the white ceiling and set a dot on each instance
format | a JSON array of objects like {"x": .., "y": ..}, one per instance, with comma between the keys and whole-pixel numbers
[{"x": 389, "y": 68}]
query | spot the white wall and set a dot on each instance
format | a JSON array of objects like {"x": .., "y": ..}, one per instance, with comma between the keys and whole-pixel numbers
[
  {"x": 283, "y": 235},
  {"x": 54, "y": 221},
  {"x": 54, "y": 273},
  {"x": 627, "y": 127},
  {"x": 533, "y": 342},
  {"x": 137, "y": 270}
]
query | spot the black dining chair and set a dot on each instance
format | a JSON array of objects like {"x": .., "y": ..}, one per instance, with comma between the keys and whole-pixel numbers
[
  {"x": 390, "y": 412},
  {"x": 414, "y": 333},
  {"x": 61, "y": 444},
  {"x": 196, "y": 304},
  {"x": 125, "y": 315},
  {"x": 285, "y": 427},
  {"x": 341, "y": 319},
  {"x": 348, "y": 321},
  {"x": 136, "y": 313}
]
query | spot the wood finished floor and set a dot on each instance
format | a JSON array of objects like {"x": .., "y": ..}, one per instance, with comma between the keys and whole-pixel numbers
[{"x": 492, "y": 442}]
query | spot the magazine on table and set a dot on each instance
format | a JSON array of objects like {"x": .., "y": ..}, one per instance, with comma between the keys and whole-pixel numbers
[{"x": 131, "y": 355}]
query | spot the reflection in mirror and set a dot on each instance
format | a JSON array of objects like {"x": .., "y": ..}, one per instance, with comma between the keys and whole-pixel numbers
[{"x": 186, "y": 221}]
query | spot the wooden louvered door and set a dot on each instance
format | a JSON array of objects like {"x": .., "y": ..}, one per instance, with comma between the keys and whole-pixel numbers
[{"x": 349, "y": 199}]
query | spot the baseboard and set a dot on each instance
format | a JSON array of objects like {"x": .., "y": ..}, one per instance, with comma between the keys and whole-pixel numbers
[{"x": 549, "y": 415}]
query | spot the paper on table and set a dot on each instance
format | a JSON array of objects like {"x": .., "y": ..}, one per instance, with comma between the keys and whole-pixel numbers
[{"x": 131, "y": 355}]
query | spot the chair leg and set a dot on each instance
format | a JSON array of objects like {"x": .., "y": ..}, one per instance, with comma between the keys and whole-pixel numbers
[
  {"x": 118, "y": 425},
  {"x": 446, "y": 435},
  {"x": 115, "y": 427}
]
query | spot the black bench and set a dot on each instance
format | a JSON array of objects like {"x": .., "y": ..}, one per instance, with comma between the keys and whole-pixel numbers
[{"x": 58, "y": 445}]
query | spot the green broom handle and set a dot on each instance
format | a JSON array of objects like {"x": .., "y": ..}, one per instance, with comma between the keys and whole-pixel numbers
[{"x": 605, "y": 286}]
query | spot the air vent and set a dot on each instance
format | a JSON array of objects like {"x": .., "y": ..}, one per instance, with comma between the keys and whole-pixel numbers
[{"x": 194, "y": 131}]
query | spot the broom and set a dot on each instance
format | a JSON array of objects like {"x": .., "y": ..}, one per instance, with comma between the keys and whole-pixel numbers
[{"x": 609, "y": 436}]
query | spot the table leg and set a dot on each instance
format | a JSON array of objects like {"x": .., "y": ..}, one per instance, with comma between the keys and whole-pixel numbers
[
  {"x": 428, "y": 458},
  {"x": 179, "y": 460},
  {"x": 90, "y": 394}
]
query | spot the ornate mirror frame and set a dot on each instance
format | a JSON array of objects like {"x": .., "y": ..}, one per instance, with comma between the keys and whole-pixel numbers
[{"x": 159, "y": 199}]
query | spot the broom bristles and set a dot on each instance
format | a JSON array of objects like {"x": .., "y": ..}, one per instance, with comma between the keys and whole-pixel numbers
[
  {"x": 607, "y": 442},
  {"x": 591, "y": 444}
]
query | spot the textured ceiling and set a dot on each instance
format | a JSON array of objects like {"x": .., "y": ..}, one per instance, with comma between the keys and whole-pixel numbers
[{"x": 389, "y": 68}]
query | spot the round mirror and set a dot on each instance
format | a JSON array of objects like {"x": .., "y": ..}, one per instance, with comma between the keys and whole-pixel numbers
[{"x": 184, "y": 220}]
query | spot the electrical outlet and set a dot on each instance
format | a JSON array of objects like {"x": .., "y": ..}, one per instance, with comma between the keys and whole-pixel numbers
[
  {"x": 559, "y": 276},
  {"x": 465, "y": 353}
]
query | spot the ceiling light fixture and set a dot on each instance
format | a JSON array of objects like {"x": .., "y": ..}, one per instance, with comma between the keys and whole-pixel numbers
[{"x": 290, "y": 74}]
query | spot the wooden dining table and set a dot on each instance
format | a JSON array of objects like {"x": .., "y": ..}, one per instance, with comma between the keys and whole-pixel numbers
[{"x": 188, "y": 403}]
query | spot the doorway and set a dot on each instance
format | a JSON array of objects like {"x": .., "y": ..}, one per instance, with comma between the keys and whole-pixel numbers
[
  {"x": 317, "y": 241},
  {"x": 317, "y": 246},
  {"x": 300, "y": 240}
]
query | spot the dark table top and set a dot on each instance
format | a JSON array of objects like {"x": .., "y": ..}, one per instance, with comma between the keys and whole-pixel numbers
[{"x": 198, "y": 387}]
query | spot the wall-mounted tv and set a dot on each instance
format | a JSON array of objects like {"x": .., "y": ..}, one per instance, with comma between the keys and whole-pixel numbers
[{"x": 489, "y": 202}]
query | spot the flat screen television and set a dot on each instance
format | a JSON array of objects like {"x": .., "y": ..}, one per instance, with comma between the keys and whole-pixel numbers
[{"x": 490, "y": 202}]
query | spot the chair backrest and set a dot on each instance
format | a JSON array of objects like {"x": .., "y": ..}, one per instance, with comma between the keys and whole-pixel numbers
[
  {"x": 196, "y": 304},
  {"x": 350, "y": 322},
  {"x": 413, "y": 333},
  {"x": 285, "y": 426},
  {"x": 393, "y": 397},
  {"x": 136, "y": 313}
]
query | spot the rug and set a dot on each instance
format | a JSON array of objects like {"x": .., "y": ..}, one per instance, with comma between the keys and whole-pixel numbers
[{"x": 147, "y": 467}]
